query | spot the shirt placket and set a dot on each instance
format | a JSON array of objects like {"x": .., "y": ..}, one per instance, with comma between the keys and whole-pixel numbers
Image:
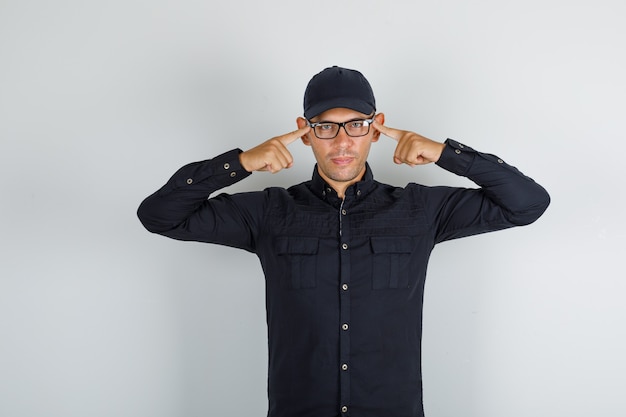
[{"x": 344, "y": 310}]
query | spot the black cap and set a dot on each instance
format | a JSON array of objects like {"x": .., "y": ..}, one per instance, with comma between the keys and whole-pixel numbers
[{"x": 338, "y": 87}]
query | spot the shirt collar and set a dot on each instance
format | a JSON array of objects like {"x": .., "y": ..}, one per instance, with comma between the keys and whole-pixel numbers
[{"x": 358, "y": 190}]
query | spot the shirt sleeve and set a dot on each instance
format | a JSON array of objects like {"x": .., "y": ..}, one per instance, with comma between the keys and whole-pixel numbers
[
  {"x": 506, "y": 197},
  {"x": 182, "y": 210}
]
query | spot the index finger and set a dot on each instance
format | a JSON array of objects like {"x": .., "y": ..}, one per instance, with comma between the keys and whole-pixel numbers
[
  {"x": 387, "y": 131},
  {"x": 291, "y": 137}
]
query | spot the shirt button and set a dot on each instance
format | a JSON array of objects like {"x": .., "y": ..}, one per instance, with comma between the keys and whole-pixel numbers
[
  {"x": 458, "y": 151},
  {"x": 344, "y": 367},
  {"x": 344, "y": 246},
  {"x": 233, "y": 174},
  {"x": 345, "y": 327},
  {"x": 344, "y": 287},
  {"x": 461, "y": 146},
  {"x": 358, "y": 192},
  {"x": 344, "y": 409},
  {"x": 328, "y": 190},
  {"x": 344, "y": 212},
  {"x": 226, "y": 165},
  {"x": 500, "y": 161},
  {"x": 189, "y": 181}
]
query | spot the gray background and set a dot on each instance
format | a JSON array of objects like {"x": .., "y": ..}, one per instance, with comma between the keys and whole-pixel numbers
[{"x": 100, "y": 102}]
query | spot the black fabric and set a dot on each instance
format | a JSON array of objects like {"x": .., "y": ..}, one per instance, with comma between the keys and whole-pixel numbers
[{"x": 344, "y": 278}]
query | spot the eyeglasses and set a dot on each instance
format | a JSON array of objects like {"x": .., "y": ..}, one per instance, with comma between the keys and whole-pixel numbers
[{"x": 353, "y": 128}]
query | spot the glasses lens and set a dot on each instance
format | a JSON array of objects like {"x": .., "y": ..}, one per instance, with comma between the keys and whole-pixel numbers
[
  {"x": 357, "y": 128},
  {"x": 326, "y": 130}
]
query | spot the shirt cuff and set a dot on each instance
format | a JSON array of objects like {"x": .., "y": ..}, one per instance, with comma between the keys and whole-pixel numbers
[
  {"x": 456, "y": 157},
  {"x": 224, "y": 170}
]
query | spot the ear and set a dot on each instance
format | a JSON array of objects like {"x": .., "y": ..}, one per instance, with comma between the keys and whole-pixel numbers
[
  {"x": 380, "y": 118},
  {"x": 301, "y": 122}
]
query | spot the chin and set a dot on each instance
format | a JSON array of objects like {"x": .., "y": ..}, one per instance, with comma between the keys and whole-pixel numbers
[{"x": 344, "y": 176}]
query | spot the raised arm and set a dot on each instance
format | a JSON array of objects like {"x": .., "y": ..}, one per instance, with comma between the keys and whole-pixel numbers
[
  {"x": 506, "y": 197},
  {"x": 181, "y": 209}
]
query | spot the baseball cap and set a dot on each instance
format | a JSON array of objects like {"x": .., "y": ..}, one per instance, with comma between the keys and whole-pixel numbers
[{"x": 338, "y": 87}]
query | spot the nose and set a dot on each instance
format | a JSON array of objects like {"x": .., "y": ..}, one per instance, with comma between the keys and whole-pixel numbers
[{"x": 342, "y": 140}]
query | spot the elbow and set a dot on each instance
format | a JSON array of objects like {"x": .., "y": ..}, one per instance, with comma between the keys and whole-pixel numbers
[
  {"x": 144, "y": 219},
  {"x": 532, "y": 211},
  {"x": 148, "y": 219}
]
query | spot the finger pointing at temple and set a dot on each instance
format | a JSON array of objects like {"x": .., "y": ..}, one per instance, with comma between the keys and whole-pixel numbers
[{"x": 271, "y": 155}]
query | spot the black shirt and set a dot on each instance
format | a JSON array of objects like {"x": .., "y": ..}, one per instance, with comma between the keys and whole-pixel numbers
[{"x": 344, "y": 277}]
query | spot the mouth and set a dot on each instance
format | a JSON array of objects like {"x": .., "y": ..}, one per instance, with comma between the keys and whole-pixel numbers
[{"x": 342, "y": 160}]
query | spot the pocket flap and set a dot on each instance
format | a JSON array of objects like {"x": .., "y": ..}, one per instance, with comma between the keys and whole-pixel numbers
[
  {"x": 390, "y": 244},
  {"x": 297, "y": 245}
]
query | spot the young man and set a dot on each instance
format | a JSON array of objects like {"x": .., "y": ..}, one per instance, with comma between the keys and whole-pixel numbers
[{"x": 344, "y": 256}]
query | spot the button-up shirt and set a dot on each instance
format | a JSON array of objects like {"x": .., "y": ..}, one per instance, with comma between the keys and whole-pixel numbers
[{"x": 344, "y": 277}]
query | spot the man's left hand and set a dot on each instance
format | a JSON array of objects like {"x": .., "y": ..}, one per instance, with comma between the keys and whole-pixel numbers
[{"x": 412, "y": 149}]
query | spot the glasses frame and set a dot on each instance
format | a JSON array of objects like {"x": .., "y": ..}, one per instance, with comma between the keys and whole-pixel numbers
[{"x": 369, "y": 121}]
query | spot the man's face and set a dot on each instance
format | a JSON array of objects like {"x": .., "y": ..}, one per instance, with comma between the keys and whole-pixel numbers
[{"x": 341, "y": 160}]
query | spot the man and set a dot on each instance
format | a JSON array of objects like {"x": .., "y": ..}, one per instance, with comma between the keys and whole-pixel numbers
[{"x": 344, "y": 256}]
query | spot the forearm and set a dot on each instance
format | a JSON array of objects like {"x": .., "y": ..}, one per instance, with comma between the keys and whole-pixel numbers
[
  {"x": 521, "y": 199},
  {"x": 187, "y": 190}
]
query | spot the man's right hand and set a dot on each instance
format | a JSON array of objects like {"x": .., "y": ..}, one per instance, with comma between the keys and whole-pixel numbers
[{"x": 272, "y": 155}]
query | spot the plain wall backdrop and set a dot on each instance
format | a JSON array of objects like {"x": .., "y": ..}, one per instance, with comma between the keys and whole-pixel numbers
[{"x": 101, "y": 101}]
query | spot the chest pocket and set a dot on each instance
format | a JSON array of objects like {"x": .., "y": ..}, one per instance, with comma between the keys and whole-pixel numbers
[
  {"x": 299, "y": 256},
  {"x": 391, "y": 258}
]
